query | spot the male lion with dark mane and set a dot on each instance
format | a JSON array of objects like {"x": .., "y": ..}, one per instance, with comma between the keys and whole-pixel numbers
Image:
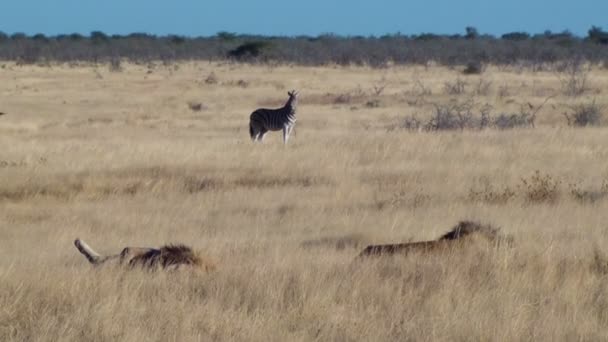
[
  {"x": 165, "y": 257},
  {"x": 460, "y": 235}
]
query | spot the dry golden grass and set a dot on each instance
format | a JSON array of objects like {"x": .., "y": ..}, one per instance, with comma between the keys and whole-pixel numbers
[{"x": 120, "y": 159}]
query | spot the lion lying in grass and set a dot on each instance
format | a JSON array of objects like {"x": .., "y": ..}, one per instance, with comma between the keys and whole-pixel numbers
[
  {"x": 461, "y": 235},
  {"x": 165, "y": 257}
]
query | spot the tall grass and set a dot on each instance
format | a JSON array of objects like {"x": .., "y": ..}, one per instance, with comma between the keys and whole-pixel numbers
[{"x": 121, "y": 161}]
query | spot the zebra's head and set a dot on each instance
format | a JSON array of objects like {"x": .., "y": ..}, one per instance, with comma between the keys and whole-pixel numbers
[{"x": 293, "y": 98}]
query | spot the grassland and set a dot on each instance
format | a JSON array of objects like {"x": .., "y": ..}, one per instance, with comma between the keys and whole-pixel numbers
[{"x": 120, "y": 158}]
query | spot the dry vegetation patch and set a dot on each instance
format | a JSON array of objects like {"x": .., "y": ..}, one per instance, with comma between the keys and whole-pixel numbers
[{"x": 122, "y": 156}]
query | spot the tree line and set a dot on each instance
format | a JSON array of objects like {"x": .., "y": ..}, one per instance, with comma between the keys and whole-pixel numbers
[{"x": 456, "y": 49}]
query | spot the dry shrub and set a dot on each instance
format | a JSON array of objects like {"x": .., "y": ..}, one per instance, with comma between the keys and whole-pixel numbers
[
  {"x": 540, "y": 188},
  {"x": 586, "y": 195},
  {"x": 238, "y": 83},
  {"x": 510, "y": 121},
  {"x": 451, "y": 116},
  {"x": 585, "y": 114},
  {"x": 456, "y": 87},
  {"x": 491, "y": 194},
  {"x": 536, "y": 189},
  {"x": 401, "y": 199},
  {"x": 573, "y": 75}
]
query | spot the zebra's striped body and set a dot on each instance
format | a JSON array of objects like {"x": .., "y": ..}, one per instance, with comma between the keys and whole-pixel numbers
[{"x": 263, "y": 120}]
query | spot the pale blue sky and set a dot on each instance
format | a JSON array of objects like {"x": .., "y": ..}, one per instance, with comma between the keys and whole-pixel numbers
[{"x": 310, "y": 17}]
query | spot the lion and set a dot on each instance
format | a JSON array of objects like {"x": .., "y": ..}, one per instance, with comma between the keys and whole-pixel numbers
[
  {"x": 463, "y": 231},
  {"x": 166, "y": 257}
]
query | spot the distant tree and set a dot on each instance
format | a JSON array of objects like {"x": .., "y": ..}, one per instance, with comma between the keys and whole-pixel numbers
[
  {"x": 140, "y": 35},
  {"x": 98, "y": 37},
  {"x": 516, "y": 36},
  {"x": 40, "y": 37},
  {"x": 597, "y": 35},
  {"x": 227, "y": 36},
  {"x": 427, "y": 36},
  {"x": 18, "y": 36},
  {"x": 3, "y": 36},
  {"x": 250, "y": 50},
  {"x": 471, "y": 32},
  {"x": 177, "y": 39},
  {"x": 76, "y": 36}
]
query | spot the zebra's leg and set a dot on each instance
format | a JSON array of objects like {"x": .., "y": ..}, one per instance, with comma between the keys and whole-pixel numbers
[
  {"x": 262, "y": 135},
  {"x": 286, "y": 130}
]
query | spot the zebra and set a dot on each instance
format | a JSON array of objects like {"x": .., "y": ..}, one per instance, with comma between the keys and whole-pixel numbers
[{"x": 263, "y": 120}]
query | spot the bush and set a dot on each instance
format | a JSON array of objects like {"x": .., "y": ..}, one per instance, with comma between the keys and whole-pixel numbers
[
  {"x": 597, "y": 35},
  {"x": 490, "y": 194},
  {"x": 473, "y": 68},
  {"x": 516, "y": 36},
  {"x": 510, "y": 121},
  {"x": 589, "y": 114},
  {"x": 586, "y": 195},
  {"x": 459, "y": 116},
  {"x": 573, "y": 76},
  {"x": 540, "y": 188},
  {"x": 452, "y": 116},
  {"x": 249, "y": 50}
]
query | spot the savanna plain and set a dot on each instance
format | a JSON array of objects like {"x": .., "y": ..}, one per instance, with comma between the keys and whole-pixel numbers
[{"x": 145, "y": 155}]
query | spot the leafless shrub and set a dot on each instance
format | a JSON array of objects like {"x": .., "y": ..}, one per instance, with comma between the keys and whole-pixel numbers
[
  {"x": 586, "y": 114},
  {"x": 466, "y": 115},
  {"x": 540, "y": 188},
  {"x": 457, "y": 87},
  {"x": 451, "y": 116},
  {"x": 238, "y": 83},
  {"x": 411, "y": 123},
  {"x": 586, "y": 195},
  {"x": 510, "y": 121},
  {"x": 573, "y": 75},
  {"x": 491, "y": 194}
]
